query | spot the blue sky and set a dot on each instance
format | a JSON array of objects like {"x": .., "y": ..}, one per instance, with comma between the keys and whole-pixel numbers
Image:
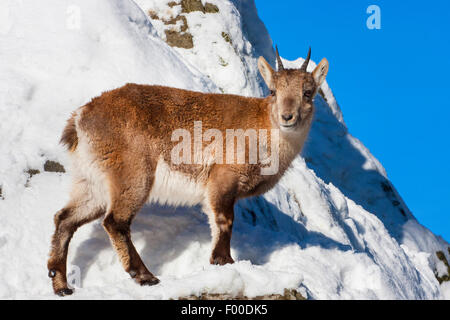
[{"x": 392, "y": 85}]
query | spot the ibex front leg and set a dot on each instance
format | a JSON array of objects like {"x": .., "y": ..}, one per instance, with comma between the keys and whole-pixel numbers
[
  {"x": 118, "y": 228},
  {"x": 221, "y": 199}
]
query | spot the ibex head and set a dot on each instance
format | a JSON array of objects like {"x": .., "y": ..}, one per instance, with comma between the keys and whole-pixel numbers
[{"x": 292, "y": 91}]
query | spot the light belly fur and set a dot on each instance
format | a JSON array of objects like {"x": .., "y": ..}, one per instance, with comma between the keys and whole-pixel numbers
[{"x": 175, "y": 188}]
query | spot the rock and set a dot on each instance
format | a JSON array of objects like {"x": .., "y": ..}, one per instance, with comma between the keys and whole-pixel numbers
[
  {"x": 222, "y": 62},
  {"x": 227, "y": 37},
  {"x": 441, "y": 256},
  {"x": 183, "y": 19},
  {"x": 49, "y": 166},
  {"x": 191, "y": 6},
  {"x": 290, "y": 294},
  {"x": 53, "y": 166},
  {"x": 197, "y": 5},
  {"x": 173, "y": 4},
  {"x": 182, "y": 38},
  {"x": 179, "y": 39},
  {"x": 153, "y": 15},
  {"x": 211, "y": 8},
  {"x": 32, "y": 172}
]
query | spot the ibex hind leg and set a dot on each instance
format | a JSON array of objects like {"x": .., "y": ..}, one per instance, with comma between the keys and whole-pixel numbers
[
  {"x": 128, "y": 199},
  {"x": 81, "y": 209}
]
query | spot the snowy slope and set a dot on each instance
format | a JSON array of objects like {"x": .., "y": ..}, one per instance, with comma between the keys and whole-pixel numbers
[
  {"x": 334, "y": 227},
  {"x": 226, "y": 44}
]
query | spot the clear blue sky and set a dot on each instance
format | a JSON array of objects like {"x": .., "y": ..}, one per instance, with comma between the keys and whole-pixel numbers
[{"x": 392, "y": 85}]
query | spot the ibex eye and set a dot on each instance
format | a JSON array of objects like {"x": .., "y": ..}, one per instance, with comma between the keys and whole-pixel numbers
[
  {"x": 308, "y": 93},
  {"x": 272, "y": 92}
]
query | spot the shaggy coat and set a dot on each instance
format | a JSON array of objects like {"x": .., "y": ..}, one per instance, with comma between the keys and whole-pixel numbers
[{"x": 121, "y": 146}]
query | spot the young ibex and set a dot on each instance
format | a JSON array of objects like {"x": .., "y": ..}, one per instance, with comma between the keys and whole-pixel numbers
[{"x": 121, "y": 145}]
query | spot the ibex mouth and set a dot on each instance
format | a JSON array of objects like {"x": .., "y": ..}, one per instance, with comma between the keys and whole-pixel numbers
[{"x": 288, "y": 127}]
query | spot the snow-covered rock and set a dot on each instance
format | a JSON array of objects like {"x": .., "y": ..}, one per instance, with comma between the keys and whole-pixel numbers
[
  {"x": 226, "y": 44},
  {"x": 334, "y": 227}
]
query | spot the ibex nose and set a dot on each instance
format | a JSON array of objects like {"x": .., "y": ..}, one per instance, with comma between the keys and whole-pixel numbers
[{"x": 287, "y": 117}]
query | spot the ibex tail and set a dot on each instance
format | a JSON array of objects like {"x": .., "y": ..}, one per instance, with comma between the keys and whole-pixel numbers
[{"x": 69, "y": 136}]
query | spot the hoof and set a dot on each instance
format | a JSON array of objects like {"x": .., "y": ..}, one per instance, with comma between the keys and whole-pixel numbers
[
  {"x": 146, "y": 279},
  {"x": 149, "y": 282},
  {"x": 64, "y": 292}
]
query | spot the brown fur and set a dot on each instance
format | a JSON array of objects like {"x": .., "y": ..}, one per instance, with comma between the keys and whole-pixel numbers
[
  {"x": 119, "y": 139},
  {"x": 69, "y": 136}
]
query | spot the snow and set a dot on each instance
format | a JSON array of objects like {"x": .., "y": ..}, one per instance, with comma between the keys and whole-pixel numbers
[
  {"x": 231, "y": 66},
  {"x": 333, "y": 228},
  {"x": 446, "y": 290}
]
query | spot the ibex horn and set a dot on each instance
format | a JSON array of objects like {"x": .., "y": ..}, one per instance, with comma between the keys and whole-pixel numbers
[
  {"x": 280, "y": 64},
  {"x": 305, "y": 64}
]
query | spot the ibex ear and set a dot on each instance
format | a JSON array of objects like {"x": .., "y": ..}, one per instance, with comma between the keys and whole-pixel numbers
[
  {"x": 320, "y": 72},
  {"x": 267, "y": 72}
]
